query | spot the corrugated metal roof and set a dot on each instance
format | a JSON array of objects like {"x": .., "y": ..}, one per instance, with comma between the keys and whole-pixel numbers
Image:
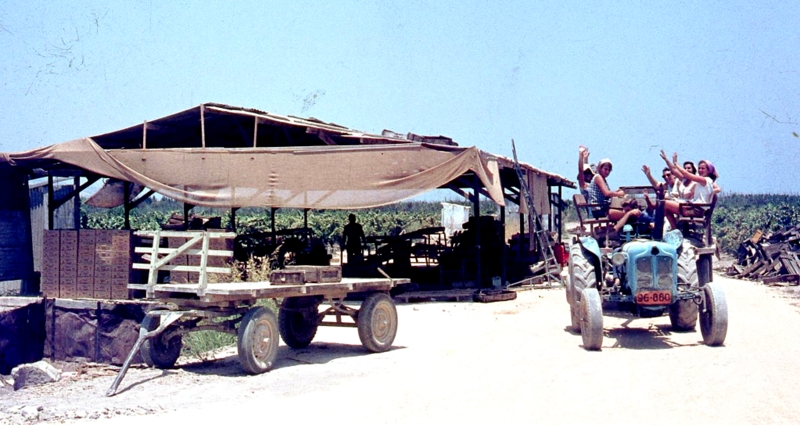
[{"x": 206, "y": 125}]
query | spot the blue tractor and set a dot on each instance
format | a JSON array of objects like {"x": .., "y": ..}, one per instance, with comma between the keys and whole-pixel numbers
[{"x": 645, "y": 276}]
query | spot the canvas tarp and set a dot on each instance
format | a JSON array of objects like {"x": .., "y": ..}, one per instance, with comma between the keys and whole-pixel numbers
[{"x": 316, "y": 177}]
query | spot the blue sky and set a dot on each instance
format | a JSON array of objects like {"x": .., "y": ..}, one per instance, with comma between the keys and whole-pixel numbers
[{"x": 710, "y": 80}]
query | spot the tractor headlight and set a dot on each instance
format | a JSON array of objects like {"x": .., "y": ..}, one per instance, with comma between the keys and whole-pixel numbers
[{"x": 619, "y": 258}]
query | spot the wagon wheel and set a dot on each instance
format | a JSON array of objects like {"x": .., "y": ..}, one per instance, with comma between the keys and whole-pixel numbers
[
  {"x": 298, "y": 319},
  {"x": 258, "y": 340},
  {"x": 163, "y": 350},
  {"x": 377, "y": 322}
]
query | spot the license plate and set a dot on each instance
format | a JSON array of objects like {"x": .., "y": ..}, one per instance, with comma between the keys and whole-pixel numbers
[{"x": 654, "y": 298}]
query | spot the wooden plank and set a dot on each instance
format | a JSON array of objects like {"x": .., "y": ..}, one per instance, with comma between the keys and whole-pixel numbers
[
  {"x": 186, "y": 234},
  {"x": 164, "y": 250},
  {"x": 181, "y": 268},
  {"x": 753, "y": 267},
  {"x": 782, "y": 278}
]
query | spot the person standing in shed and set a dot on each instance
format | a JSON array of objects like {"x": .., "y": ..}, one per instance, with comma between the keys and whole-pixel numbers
[{"x": 353, "y": 240}]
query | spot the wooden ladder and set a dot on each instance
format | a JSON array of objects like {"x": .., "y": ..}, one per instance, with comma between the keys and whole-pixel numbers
[{"x": 552, "y": 267}]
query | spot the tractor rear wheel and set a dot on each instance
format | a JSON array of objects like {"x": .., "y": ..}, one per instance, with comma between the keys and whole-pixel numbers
[{"x": 581, "y": 276}]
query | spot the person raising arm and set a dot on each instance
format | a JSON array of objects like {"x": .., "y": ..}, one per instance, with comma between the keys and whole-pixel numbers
[
  {"x": 703, "y": 189},
  {"x": 585, "y": 171},
  {"x": 600, "y": 194}
]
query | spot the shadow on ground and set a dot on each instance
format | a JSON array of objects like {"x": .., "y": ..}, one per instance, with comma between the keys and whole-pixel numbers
[
  {"x": 227, "y": 362},
  {"x": 654, "y": 337}
]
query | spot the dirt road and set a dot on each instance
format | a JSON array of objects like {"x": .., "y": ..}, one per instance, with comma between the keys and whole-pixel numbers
[{"x": 505, "y": 362}]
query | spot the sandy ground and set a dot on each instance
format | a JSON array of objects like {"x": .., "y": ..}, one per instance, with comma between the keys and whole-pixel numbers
[{"x": 504, "y": 362}]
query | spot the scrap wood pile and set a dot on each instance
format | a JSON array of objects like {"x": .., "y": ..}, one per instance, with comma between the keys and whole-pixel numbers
[{"x": 773, "y": 258}]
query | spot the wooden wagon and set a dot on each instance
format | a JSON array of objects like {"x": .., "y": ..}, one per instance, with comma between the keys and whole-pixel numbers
[{"x": 232, "y": 307}]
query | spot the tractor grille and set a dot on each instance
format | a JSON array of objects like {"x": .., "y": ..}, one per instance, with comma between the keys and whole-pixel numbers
[
  {"x": 644, "y": 272},
  {"x": 664, "y": 272}
]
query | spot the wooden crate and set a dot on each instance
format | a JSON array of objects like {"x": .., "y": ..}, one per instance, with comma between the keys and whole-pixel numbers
[
  {"x": 318, "y": 274},
  {"x": 286, "y": 277}
]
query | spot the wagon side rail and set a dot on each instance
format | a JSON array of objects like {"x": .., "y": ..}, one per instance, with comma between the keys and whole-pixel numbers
[{"x": 197, "y": 243}]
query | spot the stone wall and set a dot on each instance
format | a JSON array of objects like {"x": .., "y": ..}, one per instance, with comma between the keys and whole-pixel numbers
[
  {"x": 92, "y": 330},
  {"x": 70, "y": 330},
  {"x": 22, "y": 331}
]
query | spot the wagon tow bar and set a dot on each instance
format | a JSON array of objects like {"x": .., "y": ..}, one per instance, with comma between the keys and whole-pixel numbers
[{"x": 166, "y": 320}]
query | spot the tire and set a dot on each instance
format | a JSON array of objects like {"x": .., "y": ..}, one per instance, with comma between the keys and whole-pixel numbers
[
  {"x": 377, "y": 322},
  {"x": 683, "y": 313},
  {"x": 163, "y": 350},
  {"x": 714, "y": 317},
  {"x": 581, "y": 276},
  {"x": 257, "y": 341},
  {"x": 297, "y": 321},
  {"x": 591, "y": 319}
]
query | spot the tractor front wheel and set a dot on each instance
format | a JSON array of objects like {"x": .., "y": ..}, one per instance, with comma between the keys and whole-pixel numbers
[
  {"x": 714, "y": 316},
  {"x": 591, "y": 319}
]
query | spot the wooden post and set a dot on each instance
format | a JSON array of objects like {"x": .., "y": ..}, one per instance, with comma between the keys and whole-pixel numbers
[
  {"x": 272, "y": 225},
  {"x": 152, "y": 273},
  {"x": 521, "y": 233},
  {"x": 503, "y": 254},
  {"x": 186, "y": 209},
  {"x": 476, "y": 205},
  {"x": 50, "y": 202},
  {"x": 233, "y": 220},
  {"x": 201, "y": 290},
  {"x": 203, "y": 125},
  {"x": 255, "y": 132},
  {"x": 127, "y": 205},
  {"x": 76, "y": 204},
  {"x": 305, "y": 225}
]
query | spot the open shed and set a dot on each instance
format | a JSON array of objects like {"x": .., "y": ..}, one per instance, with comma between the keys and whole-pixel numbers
[{"x": 230, "y": 157}]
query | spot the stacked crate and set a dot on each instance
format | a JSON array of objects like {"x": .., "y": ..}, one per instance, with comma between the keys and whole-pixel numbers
[
  {"x": 86, "y": 246},
  {"x": 86, "y": 264},
  {"x": 51, "y": 247},
  {"x": 103, "y": 259},
  {"x": 121, "y": 266},
  {"x": 68, "y": 264}
]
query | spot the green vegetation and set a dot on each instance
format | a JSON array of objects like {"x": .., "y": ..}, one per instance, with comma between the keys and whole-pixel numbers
[
  {"x": 324, "y": 224},
  {"x": 737, "y": 217}
]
